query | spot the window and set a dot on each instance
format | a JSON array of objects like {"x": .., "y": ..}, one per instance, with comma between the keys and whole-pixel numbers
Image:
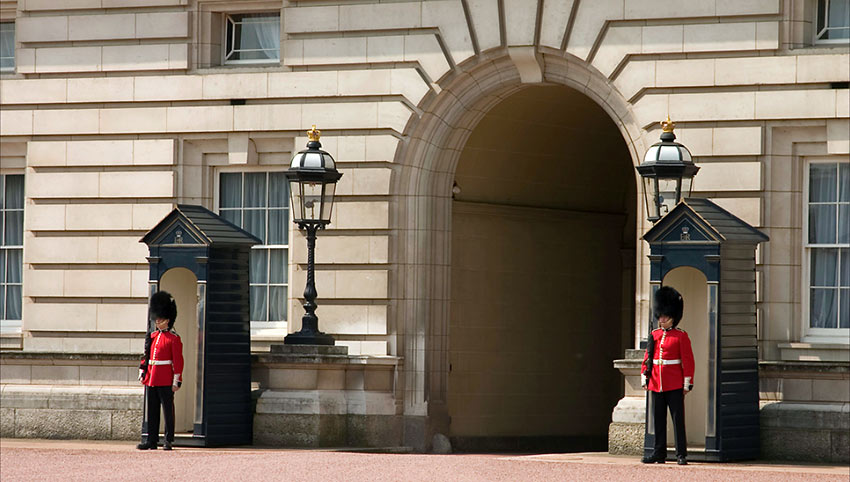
[
  {"x": 252, "y": 38},
  {"x": 7, "y": 46},
  {"x": 11, "y": 250},
  {"x": 832, "y": 21},
  {"x": 258, "y": 202},
  {"x": 828, "y": 248}
]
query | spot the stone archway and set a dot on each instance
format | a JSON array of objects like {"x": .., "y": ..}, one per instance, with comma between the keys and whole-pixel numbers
[{"x": 421, "y": 216}]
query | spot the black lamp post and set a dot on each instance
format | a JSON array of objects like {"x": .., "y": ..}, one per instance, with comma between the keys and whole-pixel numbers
[
  {"x": 668, "y": 172},
  {"x": 312, "y": 177}
]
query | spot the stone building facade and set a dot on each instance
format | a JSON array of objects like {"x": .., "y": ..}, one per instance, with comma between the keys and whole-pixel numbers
[{"x": 483, "y": 266}]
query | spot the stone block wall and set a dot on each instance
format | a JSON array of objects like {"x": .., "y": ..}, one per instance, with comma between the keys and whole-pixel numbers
[
  {"x": 805, "y": 411},
  {"x": 326, "y": 399}
]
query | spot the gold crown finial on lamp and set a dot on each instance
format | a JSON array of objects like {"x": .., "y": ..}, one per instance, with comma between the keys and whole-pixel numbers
[
  {"x": 314, "y": 134},
  {"x": 666, "y": 125}
]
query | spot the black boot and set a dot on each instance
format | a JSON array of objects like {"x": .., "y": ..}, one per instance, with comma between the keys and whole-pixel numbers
[
  {"x": 682, "y": 460},
  {"x": 146, "y": 446},
  {"x": 653, "y": 459}
]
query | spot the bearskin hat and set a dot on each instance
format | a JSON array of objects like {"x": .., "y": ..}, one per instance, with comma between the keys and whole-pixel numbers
[
  {"x": 163, "y": 306},
  {"x": 668, "y": 302}
]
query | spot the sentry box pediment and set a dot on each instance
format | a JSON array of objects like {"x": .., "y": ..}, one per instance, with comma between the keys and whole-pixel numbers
[
  {"x": 716, "y": 250},
  {"x": 203, "y": 261},
  {"x": 189, "y": 225}
]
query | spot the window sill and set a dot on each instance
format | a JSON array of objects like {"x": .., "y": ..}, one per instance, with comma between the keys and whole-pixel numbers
[
  {"x": 815, "y": 351},
  {"x": 11, "y": 340},
  {"x": 240, "y": 68}
]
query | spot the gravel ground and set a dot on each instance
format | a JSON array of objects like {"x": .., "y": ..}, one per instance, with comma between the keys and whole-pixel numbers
[{"x": 71, "y": 461}]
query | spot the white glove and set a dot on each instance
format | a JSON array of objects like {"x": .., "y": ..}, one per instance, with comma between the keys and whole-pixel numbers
[
  {"x": 689, "y": 384},
  {"x": 643, "y": 380},
  {"x": 141, "y": 374}
]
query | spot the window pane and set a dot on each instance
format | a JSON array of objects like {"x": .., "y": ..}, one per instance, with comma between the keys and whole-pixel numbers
[
  {"x": 2, "y": 265},
  {"x": 2, "y": 302},
  {"x": 231, "y": 191},
  {"x": 844, "y": 254},
  {"x": 14, "y": 265},
  {"x": 824, "y": 267},
  {"x": 327, "y": 206},
  {"x": 13, "y": 229},
  {"x": 255, "y": 223},
  {"x": 844, "y": 181},
  {"x": 277, "y": 303},
  {"x": 278, "y": 190},
  {"x": 14, "y": 192},
  {"x": 822, "y": 224},
  {"x": 259, "y": 307},
  {"x": 232, "y": 215},
  {"x": 7, "y": 45},
  {"x": 258, "y": 32},
  {"x": 253, "y": 37},
  {"x": 838, "y": 13},
  {"x": 844, "y": 315},
  {"x": 278, "y": 269},
  {"x": 823, "y": 308},
  {"x": 13, "y": 302},
  {"x": 844, "y": 223},
  {"x": 228, "y": 35},
  {"x": 255, "y": 190},
  {"x": 278, "y": 226},
  {"x": 259, "y": 266},
  {"x": 822, "y": 182}
]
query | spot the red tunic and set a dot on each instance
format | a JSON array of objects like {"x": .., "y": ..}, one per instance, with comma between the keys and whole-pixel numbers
[
  {"x": 672, "y": 344},
  {"x": 165, "y": 346}
]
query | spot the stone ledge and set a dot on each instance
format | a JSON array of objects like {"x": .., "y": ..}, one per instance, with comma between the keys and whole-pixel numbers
[
  {"x": 810, "y": 416},
  {"x": 807, "y": 368},
  {"x": 324, "y": 402},
  {"x": 49, "y": 358},
  {"x": 280, "y": 359},
  {"x": 815, "y": 352},
  {"x": 50, "y": 397}
]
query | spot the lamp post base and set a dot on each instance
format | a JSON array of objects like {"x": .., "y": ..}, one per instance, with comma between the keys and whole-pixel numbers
[{"x": 308, "y": 338}]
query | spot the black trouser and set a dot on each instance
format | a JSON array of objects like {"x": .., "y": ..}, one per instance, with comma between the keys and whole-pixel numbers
[
  {"x": 675, "y": 399},
  {"x": 156, "y": 396}
]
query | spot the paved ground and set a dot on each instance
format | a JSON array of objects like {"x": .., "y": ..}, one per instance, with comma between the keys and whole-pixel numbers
[{"x": 25, "y": 459}]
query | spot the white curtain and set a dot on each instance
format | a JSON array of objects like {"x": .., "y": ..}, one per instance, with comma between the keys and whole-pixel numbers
[
  {"x": 829, "y": 224},
  {"x": 839, "y": 16},
  {"x": 7, "y": 45},
  {"x": 824, "y": 274},
  {"x": 268, "y": 36},
  {"x": 260, "y": 32},
  {"x": 13, "y": 235},
  {"x": 277, "y": 303},
  {"x": 844, "y": 197},
  {"x": 259, "y": 276}
]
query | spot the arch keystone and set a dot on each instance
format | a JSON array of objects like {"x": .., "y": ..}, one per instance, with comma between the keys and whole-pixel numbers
[{"x": 528, "y": 62}]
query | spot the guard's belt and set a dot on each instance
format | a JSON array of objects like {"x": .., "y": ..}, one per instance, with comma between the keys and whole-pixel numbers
[
  {"x": 159, "y": 362},
  {"x": 661, "y": 362}
]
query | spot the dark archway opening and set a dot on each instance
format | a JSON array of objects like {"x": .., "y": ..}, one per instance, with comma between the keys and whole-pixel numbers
[{"x": 543, "y": 243}]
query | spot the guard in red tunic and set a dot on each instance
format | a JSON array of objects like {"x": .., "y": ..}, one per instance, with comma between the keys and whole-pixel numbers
[
  {"x": 668, "y": 373},
  {"x": 161, "y": 370}
]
